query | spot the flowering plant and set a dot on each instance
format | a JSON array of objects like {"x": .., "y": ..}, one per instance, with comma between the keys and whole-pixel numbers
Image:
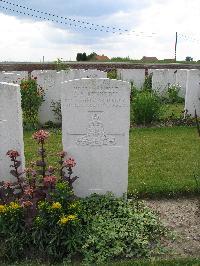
[
  {"x": 32, "y": 98},
  {"x": 39, "y": 184}
]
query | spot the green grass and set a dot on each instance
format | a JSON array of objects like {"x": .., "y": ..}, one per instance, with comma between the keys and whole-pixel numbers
[
  {"x": 162, "y": 161},
  {"x": 168, "y": 110}
]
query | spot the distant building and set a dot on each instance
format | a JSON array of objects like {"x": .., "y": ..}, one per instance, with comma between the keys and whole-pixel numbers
[
  {"x": 101, "y": 57},
  {"x": 169, "y": 60},
  {"x": 149, "y": 59}
]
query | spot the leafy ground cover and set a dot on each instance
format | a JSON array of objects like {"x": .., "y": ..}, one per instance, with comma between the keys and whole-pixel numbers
[
  {"x": 162, "y": 161},
  {"x": 180, "y": 262}
]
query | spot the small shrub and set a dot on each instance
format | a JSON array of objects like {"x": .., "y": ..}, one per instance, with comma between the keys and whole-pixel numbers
[
  {"x": 60, "y": 65},
  {"x": 173, "y": 94},
  {"x": 56, "y": 108},
  {"x": 32, "y": 97},
  {"x": 147, "y": 86},
  {"x": 145, "y": 108},
  {"x": 112, "y": 74}
]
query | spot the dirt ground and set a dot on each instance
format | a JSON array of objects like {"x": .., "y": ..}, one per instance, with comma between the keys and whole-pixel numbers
[{"x": 182, "y": 216}]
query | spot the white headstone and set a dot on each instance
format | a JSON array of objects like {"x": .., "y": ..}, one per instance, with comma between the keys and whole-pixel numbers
[
  {"x": 192, "y": 97},
  {"x": 94, "y": 73},
  {"x": 13, "y": 77},
  {"x": 181, "y": 79},
  {"x": 95, "y": 131},
  {"x": 11, "y": 130},
  {"x": 162, "y": 79},
  {"x": 50, "y": 81},
  {"x": 137, "y": 76}
]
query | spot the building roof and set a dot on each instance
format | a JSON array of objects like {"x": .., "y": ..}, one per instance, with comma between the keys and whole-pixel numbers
[
  {"x": 149, "y": 58},
  {"x": 101, "y": 57}
]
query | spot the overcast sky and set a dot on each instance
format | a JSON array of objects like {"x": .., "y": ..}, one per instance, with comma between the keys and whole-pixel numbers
[{"x": 148, "y": 29}]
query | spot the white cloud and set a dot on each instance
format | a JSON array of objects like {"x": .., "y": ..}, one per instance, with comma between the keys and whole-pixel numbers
[{"x": 27, "y": 40}]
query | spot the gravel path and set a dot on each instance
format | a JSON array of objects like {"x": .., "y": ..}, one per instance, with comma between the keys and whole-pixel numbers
[{"x": 183, "y": 217}]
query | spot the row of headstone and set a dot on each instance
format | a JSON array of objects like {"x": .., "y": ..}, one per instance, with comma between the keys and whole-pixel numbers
[
  {"x": 161, "y": 78},
  {"x": 50, "y": 81},
  {"x": 95, "y": 131}
]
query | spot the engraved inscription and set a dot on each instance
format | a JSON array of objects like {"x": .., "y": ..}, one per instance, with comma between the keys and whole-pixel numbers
[
  {"x": 101, "y": 97},
  {"x": 95, "y": 134}
]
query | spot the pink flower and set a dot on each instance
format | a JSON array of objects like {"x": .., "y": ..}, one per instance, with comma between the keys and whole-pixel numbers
[
  {"x": 13, "y": 153},
  {"x": 7, "y": 184},
  {"x": 69, "y": 162},
  {"x": 28, "y": 191},
  {"x": 41, "y": 136},
  {"x": 49, "y": 180}
]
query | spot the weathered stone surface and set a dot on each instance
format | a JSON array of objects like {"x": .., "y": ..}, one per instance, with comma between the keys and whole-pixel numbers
[
  {"x": 94, "y": 73},
  {"x": 181, "y": 79},
  {"x": 13, "y": 77},
  {"x": 11, "y": 130},
  {"x": 162, "y": 79},
  {"x": 95, "y": 131},
  {"x": 50, "y": 81},
  {"x": 137, "y": 76},
  {"x": 192, "y": 97}
]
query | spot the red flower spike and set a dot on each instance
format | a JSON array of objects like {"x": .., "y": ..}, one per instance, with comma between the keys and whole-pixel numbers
[
  {"x": 7, "y": 184},
  {"x": 50, "y": 180},
  {"x": 70, "y": 162},
  {"x": 13, "y": 153},
  {"x": 41, "y": 135}
]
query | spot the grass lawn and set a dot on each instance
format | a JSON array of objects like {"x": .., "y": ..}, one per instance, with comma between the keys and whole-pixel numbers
[
  {"x": 168, "y": 110},
  {"x": 162, "y": 161}
]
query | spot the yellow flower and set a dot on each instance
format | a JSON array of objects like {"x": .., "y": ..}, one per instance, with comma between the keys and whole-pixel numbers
[
  {"x": 71, "y": 217},
  {"x": 56, "y": 205},
  {"x": 65, "y": 219},
  {"x": 2, "y": 208},
  {"x": 14, "y": 205}
]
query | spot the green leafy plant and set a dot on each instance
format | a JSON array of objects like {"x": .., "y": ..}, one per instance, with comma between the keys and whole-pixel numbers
[
  {"x": 145, "y": 107},
  {"x": 147, "y": 86},
  {"x": 59, "y": 65},
  {"x": 56, "y": 108},
  {"x": 112, "y": 74},
  {"x": 32, "y": 97},
  {"x": 118, "y": 228},
  {"x": 173, "y": 94}
]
